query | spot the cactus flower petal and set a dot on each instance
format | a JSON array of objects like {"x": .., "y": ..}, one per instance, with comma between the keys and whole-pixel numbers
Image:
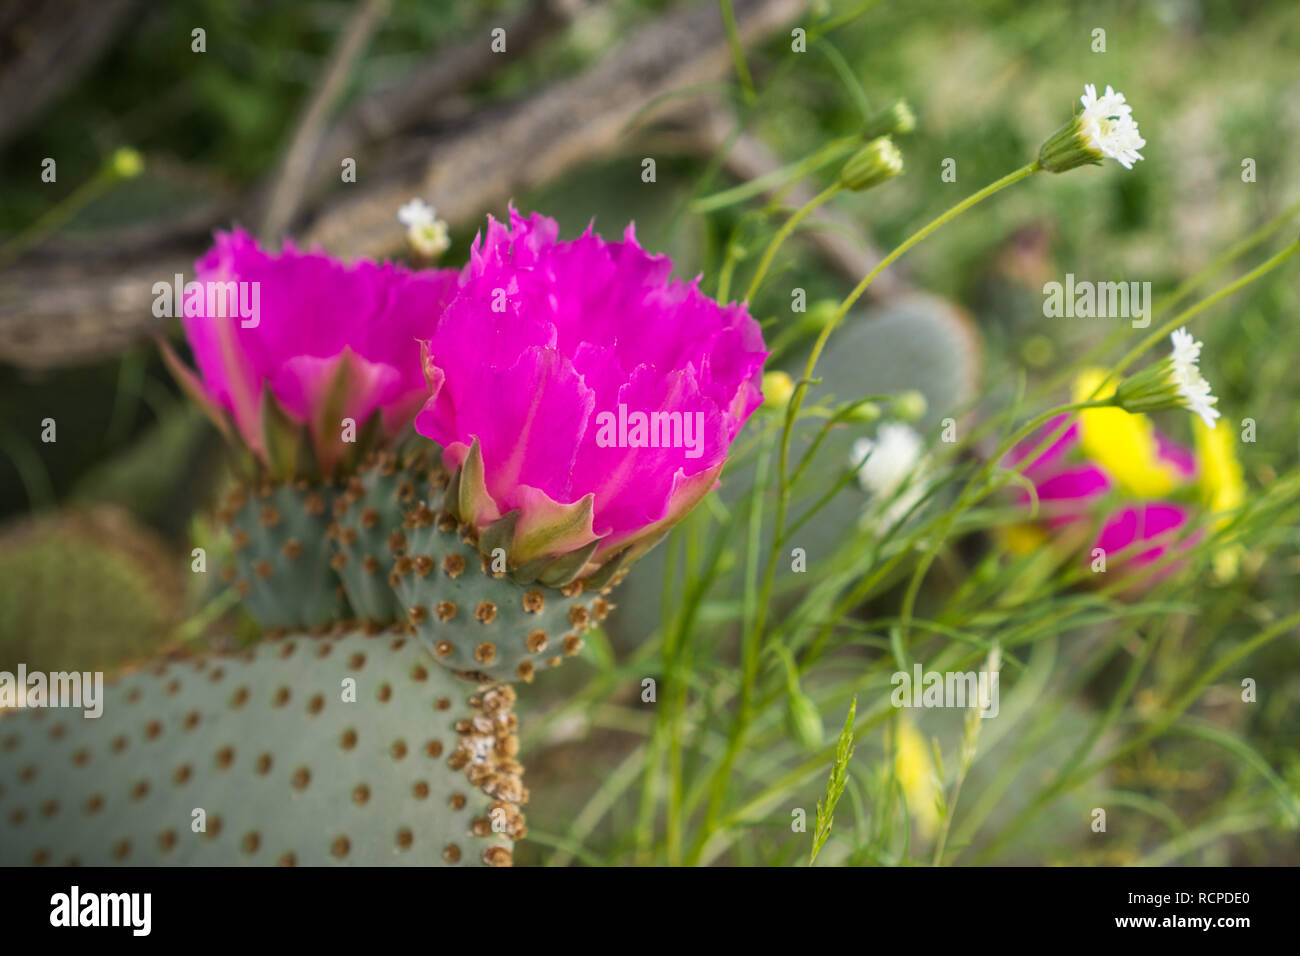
[
  {"x": 311, "y": 311},
  {"x": 1131, "y": 526},
  {"x": 1045, "y": 459},
  {"x": 1067, "y": 495},
  {"x": 326, "y": 391},
  {"x": 586, "y": 374}
]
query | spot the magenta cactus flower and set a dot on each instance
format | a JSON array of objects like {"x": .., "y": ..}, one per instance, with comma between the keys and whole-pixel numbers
[
  {"x": 587, "y": 400},
  {"x": 314, "y": 342},
  {"x": 1131, "y": 525},
  {"x": 1072, "y": 488}
]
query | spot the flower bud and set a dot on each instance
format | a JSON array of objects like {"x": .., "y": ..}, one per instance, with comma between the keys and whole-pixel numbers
[
  {"x": 803, "y": 721},
  {"x": 897, "y": 120},
  {"x": 910, "y": 405},
  {"x": 872, "y": 165},
  {"x": 819, "y": 315},
  {"x": 126, "y": 163},
  {"x": 777, "y": 389},
  {"x": 865, "y": 413}
]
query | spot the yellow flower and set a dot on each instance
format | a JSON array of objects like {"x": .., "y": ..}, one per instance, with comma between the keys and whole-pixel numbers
[
  {"x": 915, "y": 769},
  {"x": 1122, "y": 443},
  {"x": 1022, "y": 538},
  {"x": 1221, "y": 485}
]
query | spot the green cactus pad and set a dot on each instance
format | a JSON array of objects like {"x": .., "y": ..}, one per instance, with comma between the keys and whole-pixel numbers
[
  {"x": 915, "y": 341},
  {"x": 367, "y": 531},
  {"x": 86, "y": 588},
  {"x": 475, "y": 619},
  {"x": 282, "y": 555},
  {"x": 419, "y": 769}
]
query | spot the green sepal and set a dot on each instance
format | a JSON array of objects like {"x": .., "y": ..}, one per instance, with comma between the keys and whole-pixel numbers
[
  {"x": 370, "y": 436},
  {"x": 451, "y": 494},
  {"x": 473, "y": 501},
  {"x": 570, "y": 521},
  {"x": 499, "y": 534},
  {"x": 329, "y": 411},
  {"x": 648, "y": 543},
  {"x": 599, "y": 578},
  {"x": 629, "y": 556},
  {"x": 413, "y": 446},
  {"x": 566, "y": 567},
  {"x": 247, "y": 465},
  {"x": 283, "y": 438},
  {"x": 189, "y": 384},
  {"x": 528, "y": 573}
]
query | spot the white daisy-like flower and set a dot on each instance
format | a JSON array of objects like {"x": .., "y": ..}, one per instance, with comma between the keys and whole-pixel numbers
[
  {"x": 424, "y": 230},
  {"x": 1109, "y": 103},
  {"x": 1107, "y": 125},
  {"x": 1175, "y": 382},
  {"x": 887, "y": 462},
  {"x": 416, "y": 213},
  {"x": 889, "y": 457},
  {"x": 1104, "y": 129},
  {"x": 1185, "y": 371}
]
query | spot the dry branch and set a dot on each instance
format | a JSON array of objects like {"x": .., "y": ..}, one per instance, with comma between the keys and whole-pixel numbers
[
  {"x": 61, "y": 313},
  {"x": 291, "y": 181},
  {"x": 546, "y": 135},
  {"x": 386, "y": 113}
]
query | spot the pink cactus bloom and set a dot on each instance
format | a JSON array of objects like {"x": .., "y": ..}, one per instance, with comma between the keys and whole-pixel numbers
[
  {"x": 1066, "y": 491},
  {"x": 1130, "y": 526},
  {"x": 588, "y": 392},
  {"x": 1071, "y": 490},
  {"x": 329, "y": 341}
]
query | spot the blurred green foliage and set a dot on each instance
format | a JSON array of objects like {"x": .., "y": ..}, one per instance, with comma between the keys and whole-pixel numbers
[{"x": 1211, "y": 81}]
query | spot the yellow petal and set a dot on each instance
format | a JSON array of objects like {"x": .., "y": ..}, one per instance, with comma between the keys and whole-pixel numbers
[
  {"x": 1122, "y": 443},
  {"x": 915, "y": 769},
  {"x": 1221, "y": 484},
  {"x": 1022, "y": 538}
]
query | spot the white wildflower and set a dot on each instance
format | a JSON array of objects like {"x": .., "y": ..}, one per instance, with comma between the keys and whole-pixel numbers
[
  {"x": 1175, "y": 382},
  {"x": 424, "y": 230},
  {"x": 1186, "y": 374},
  {"x": 1104, "y": 129},
  {"x": 889, "y": 468},
  {"x": 1108, "y": 126}
]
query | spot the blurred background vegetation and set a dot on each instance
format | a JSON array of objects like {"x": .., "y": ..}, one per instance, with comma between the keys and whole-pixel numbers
[{"x": 97, "y": 528}]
